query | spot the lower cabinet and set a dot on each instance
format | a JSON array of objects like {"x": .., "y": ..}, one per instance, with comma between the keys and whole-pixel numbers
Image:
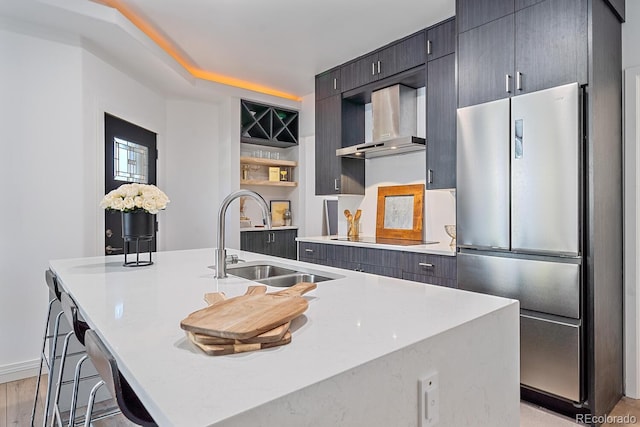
[
  {"x": 418, "y": 267},
  {"x": 280, "y": 243}
]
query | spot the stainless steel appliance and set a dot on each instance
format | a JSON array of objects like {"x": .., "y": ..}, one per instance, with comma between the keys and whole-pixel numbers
[
  {"x": 520, "y": 228},
  {"x": 394, "y": 125}
]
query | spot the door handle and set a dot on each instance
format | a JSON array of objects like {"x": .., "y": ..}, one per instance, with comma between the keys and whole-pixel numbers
[
  {"x": 425, "y": 264},
  {"x": 273, "y": 237},
  {"x": 373, "y": 68},
  {"x": 430, "y": 176},
  {"x": 109, "y": 250},
  {"x": 309, "y": 250},
  {"x": 507, "y": 86},
  {"x": 108, "y": 233},
  {"x": 335, "y": 84},
  {"x": 378, "y": 67},
  {"x": 335, "y": 185},
  {"x": 518, "y": 80},
  {"x": 428, "y": 47},
  {"x": 518, "y": 151}
]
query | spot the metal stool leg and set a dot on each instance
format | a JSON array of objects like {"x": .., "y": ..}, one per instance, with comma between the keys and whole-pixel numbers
[
  {"x": 51, "y": 368},
  {"x": 42, "y": 356},
  {"x": 56, "y": 413},
  {"x": 74, "y": 395},
  {"x": 92, "y": 398}
]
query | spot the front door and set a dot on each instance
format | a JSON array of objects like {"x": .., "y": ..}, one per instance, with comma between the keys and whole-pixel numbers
[{"x": 130, "y": 156}]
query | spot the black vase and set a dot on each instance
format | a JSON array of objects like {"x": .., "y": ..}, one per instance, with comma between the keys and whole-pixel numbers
[
  {"x": 137, "y": 227},
  {"x": 137, "y": 224}
]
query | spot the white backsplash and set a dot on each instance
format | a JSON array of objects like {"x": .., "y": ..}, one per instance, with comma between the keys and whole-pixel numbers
[{"x": 403, "y": 169}]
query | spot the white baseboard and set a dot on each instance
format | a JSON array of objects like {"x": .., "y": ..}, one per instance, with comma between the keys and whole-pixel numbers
[{"x": 19, "y": 371}]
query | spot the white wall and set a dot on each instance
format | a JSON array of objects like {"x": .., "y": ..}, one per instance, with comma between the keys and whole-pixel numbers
[
  {"x": 106, "y": 89},
  {"x": 43, "y": 197},
  {"x": 191, "y": 170},
  {"x": 52, "y": 130}
]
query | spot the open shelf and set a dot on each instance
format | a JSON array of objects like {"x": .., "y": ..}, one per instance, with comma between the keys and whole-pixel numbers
[
  {"x": 267, "y": 162},
  {"x": 271, "y": 183}
]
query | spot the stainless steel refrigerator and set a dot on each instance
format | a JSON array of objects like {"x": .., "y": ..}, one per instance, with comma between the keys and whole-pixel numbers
[{"x": 519, "y": 225}]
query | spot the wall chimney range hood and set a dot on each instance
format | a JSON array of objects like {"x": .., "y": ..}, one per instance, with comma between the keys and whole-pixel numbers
[{"x": 394, "y": 125}]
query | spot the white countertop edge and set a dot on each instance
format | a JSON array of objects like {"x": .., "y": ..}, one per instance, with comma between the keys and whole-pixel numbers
[
  {"x": 288, "y": 227},
  {"x": 440, "y": 248}
]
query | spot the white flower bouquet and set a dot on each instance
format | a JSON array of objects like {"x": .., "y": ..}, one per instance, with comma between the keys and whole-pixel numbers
[{"x": 133, "y": 197}]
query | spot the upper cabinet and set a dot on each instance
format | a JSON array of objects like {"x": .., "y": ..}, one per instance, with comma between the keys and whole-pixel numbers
[
  {"x": 328, "y": 84},
  {"x": 263, "y": 124},
  {"x": 473, "y": 13},
  {"x": 441, "y": 40},
  {"x": 396, "y": 58},
  {"x": 541, "y": 45}
]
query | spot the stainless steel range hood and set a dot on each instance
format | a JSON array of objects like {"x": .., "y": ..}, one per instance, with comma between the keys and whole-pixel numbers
[{"x": 394, "y": 125}]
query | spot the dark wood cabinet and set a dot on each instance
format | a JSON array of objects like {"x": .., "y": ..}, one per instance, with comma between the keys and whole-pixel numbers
[
  {"x": 335, "y": 175},
  {"x": 485, "y": 62},
  {"x": 403, "y": 55},
  {"x": 280, "y": 243},
  {"x": 312, "y": 252},
  {"x": 328, "y": 140},
  {"x": 441, "y": 40},
  {"x": 473, "y": 13},
  {"x": 441, "y": 123},
  {"x": 418, "y": 267},
  {"x": 539, "y": 46},
  {"x": 551, "y": 45},
  {"x": 359, "y": 72},
  {"x": 328, "y": 84}
]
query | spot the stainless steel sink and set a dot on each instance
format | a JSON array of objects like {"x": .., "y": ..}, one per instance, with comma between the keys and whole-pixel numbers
[
  {"x": 274, "y": 274},
  {"x": 291, "y": 279},
  {"x": 258, "y": 272}
]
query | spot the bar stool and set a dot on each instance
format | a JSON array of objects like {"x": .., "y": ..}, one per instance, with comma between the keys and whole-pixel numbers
[
  {"x": 107, "y": 367},
  {"x": 79, "y": 328},
  {"x": 52, "y": 282}
]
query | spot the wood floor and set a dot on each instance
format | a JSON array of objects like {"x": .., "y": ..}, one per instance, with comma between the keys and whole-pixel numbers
[{"x": 16, "y": 401}]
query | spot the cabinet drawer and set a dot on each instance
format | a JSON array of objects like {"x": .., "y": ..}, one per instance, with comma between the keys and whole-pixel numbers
[
  {"x": 550, "y": 356},
  {"x": 370, "y": 256},
  {"x": 312, "y": 251},
  {"x": 432, "y": 280},
  {"x": 429, "y": 265}
]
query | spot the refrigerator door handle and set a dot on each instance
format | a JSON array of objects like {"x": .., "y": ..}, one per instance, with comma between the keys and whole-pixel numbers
[{"x": 518, "y": 149}]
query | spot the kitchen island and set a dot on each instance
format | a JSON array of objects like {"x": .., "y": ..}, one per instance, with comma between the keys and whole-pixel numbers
[{"x": 355, "y": 358}]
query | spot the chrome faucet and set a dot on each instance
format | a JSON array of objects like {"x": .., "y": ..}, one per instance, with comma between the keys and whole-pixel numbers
[{"x": 221, "y": 252}]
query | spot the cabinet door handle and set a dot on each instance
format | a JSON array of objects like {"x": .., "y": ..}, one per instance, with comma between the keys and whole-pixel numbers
[
  {"x": 425, "y": 264},
  {"x": 268, "y": 237},
  {"x": 373, "y": 68},
  {"x": 273, "y": 237},
  {"x": 378, "y": 67},
  {"x": 428, "y": 47},
  {"x": 430, "y": 176},
  {"x": 335, "y": 185},
  {"x": 518, "y": 80},
  {"x": 507, "y": 87},
  {"x": 335, "y": 84},
  {"x": 309, "y": 250}
]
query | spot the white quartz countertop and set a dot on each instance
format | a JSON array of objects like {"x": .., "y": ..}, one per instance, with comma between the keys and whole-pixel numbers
[
  {"x": 284, "y": 227},
  {"x": 351, "y": 321},
  {"x": 439, "y": 248}
]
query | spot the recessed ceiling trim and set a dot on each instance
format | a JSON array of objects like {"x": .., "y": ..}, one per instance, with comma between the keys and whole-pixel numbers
[{"x": 172, "y": 51}]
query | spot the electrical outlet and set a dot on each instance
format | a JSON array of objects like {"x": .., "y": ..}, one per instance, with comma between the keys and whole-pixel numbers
[{"x": 429, "y": 401}]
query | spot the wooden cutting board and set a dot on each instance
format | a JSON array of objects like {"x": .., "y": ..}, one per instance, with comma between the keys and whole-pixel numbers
[
  {"x": 250, "y": 315},
  {"x": 220, "y": 350},
  {"x": 273, "y": 335}
]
